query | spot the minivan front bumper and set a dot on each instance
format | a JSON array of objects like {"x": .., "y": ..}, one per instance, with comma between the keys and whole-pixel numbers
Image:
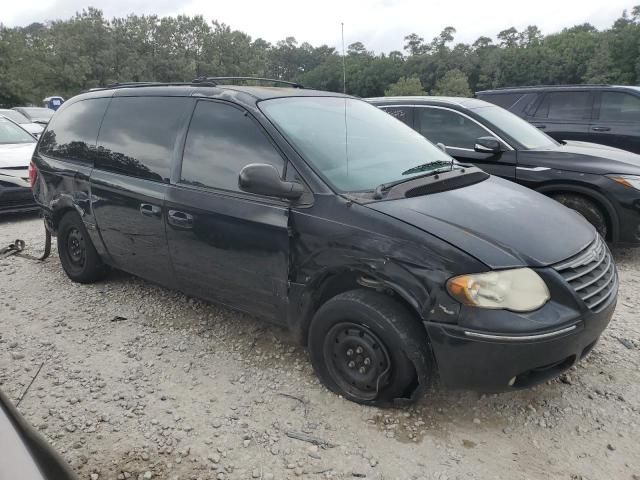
[{"x": 491, "y": 361}]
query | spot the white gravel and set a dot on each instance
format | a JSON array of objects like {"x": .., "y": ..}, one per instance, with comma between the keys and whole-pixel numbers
[{"x": 142, "y": 382}]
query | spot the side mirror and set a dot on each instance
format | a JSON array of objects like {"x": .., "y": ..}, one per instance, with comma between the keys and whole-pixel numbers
[
  {"x": 487, "y": 145},
  {"x": 264, "y": 179},
  {"x": 441, "y": 146}
]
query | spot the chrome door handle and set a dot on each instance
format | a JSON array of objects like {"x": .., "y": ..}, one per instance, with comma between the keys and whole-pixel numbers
[{"x": 149, "y": 210}]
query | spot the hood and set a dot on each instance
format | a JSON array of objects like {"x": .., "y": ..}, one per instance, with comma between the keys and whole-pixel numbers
[
  {"x": 498, "y": 222},
  {"x": 33, "y": 128},
  {"x": 16, "y": 154},
  {"x": 585, "y": 158}
]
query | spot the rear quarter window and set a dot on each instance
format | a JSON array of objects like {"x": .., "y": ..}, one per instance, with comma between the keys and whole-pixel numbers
[
  {"x": 72, "y": 132},
  {"x": 138, "y": 136}
]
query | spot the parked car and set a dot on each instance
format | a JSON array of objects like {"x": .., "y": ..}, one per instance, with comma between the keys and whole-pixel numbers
[
  {"x": 317, "y": 211},
  {"x": 25, "y": 454},
  {"x": 605, "y": 114},
  {"x": 53, "y": 102},
  {"x": 601, "y": 183},
  {"x": 16, "y": 148},
  {"x": 36, "y": 114},
  {"x": 33, "y": 128}
]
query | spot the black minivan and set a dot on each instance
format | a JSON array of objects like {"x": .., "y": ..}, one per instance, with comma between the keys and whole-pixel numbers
[{"x": 393, "y": 264}]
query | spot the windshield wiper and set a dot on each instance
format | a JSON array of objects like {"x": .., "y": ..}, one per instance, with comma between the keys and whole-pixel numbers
[
  {"x": 383, "y": 187},
  {"x": 429, "y": 167}
]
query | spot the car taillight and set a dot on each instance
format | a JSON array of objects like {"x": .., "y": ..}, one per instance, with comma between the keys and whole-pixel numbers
[{"x": 33, "y": 174}]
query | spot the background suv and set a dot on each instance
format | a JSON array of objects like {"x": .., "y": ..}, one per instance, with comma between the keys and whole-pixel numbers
[
  {"x": 605, "y": 114},
  {"x": 601, "y": 183}
]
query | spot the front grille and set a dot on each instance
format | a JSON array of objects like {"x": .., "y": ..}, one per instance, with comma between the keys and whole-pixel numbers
[{"x": 591, "y": 273}]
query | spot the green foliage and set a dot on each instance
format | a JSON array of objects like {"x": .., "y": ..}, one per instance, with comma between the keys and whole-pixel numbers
[
  {"x": 65, "y": 57},
  {"x": 453, "y": 84},
  {"x": 405, "y": 87}
]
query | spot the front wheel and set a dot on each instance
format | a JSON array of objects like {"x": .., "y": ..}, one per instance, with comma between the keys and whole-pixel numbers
[
  {"x": 585, "y": 207},
  {"x": 369, "y": 348}
]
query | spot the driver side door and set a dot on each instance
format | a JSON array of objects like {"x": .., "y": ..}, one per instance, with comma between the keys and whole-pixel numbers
[
  {"x": 458, "y": 133},
  {"x": 227, "y": 245}
]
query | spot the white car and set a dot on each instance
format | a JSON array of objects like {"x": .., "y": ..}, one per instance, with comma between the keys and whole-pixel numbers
[
  {"x": 16, "y": 148},
  {"x": 33, "y": 128}
]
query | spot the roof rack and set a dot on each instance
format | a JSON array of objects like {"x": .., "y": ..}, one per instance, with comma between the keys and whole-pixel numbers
[
  {"x": 158, "y": 84},
  {"x": 217, "y": 80},
  {"x": 570, "y": 85}
]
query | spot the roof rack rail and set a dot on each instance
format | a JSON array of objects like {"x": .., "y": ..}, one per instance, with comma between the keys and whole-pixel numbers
[
  {"x": 550, "y": 86},
  {"x": 217, "y": 80},
  {"x": 157, "y": 84}
]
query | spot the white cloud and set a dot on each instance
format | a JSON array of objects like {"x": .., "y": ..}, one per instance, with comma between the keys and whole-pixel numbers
[{"x": 380, "y": 24}]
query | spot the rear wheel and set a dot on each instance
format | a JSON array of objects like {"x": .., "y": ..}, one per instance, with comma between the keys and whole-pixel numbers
[
  {"x": 367, "y": 347},
  {"x": 587, "y": 208},
  {"x": 78, "y": 256}
]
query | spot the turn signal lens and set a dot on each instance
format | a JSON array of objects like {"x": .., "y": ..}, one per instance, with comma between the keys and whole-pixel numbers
[
  {"x": 519, "y": 290},
  {"x": 629, "y": 181}
]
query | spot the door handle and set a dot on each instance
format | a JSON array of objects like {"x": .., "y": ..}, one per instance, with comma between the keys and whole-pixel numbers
[
  {"x": 149, "y": 210},
  {"x": 541, "y": 127},
  {"x": 600, "y": 129},
  {"x": 180, "y": 219}
]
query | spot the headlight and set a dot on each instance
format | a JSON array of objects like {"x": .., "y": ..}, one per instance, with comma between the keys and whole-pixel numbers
[
  {"x": 519, "y": 290},
  {"x": 629, "y": 181}
]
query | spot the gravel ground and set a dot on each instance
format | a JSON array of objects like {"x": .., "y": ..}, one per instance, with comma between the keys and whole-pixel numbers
[{"x": 142, "y": 382}]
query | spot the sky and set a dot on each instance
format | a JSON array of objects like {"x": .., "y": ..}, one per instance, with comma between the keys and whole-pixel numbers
[{"x": 380, "y": 24}]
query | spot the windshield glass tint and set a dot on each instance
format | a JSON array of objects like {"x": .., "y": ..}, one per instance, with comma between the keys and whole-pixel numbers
[
  {"x": 518, "y": 129},
  {"x": 352, "y": 144},
  {"x": 11, "y": 133},
  {"x": 15, "y": 116}
]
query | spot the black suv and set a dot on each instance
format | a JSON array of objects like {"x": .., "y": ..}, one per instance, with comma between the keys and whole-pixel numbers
[
  {"x": 601, "y": 183},
  {"x": 321, "y": 212},
  {"x": 605, "y": 114}
]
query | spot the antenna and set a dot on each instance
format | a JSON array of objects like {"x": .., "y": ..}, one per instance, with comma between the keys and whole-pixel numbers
[{"x": 344, "y": 65}]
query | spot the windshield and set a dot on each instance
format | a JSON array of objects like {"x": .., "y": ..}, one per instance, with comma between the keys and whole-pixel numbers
[
  {"x": 15, "y": 116},
  {"x": 352, "y": 144},
  {"x": 517, "y": 128},
  {"x": 11, "y": 133},
  {"x": 38, "y": 114}
]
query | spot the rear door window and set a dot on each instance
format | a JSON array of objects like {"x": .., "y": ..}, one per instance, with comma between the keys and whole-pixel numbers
[
  {"x": 448, "y": 127},
  {"x": 565, "y": 106},
  {"x": 72, "y": 132},
  {"x": 221, "y": 141},
  {"x": 404, "y": 114},
  {"x": 138, "y": 136},
  {"x": 619, "y": 107}
]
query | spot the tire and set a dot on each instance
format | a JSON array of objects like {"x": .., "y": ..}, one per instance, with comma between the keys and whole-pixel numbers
[
  {"x": 587, "y": 208},
  {"x": 78, "y": 256},
  {"x": 369, "y": 348}
]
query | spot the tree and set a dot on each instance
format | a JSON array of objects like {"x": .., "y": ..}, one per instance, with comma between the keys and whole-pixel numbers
[
  {"x": 405, "y": 87},
  {"x": 414, "y": 44},
  {"x": 453, "y": 84},
  {"x": 509, "y": 37}
]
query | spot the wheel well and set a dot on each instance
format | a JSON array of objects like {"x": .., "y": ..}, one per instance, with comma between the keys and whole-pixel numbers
[
  {"x": 337, "y": 283},
  {"x": 57, "y": 216},
  {"x": 604, "y": 209}
]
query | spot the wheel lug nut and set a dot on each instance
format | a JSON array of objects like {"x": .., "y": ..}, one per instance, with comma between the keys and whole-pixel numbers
[
  {"x": 359, "y": 350},
  {"x": 351, "y": 364},
  {"x": 362, "y": 370},
  {"x": 349, "y": 353},
  {"x": 367, "y": 361}
]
